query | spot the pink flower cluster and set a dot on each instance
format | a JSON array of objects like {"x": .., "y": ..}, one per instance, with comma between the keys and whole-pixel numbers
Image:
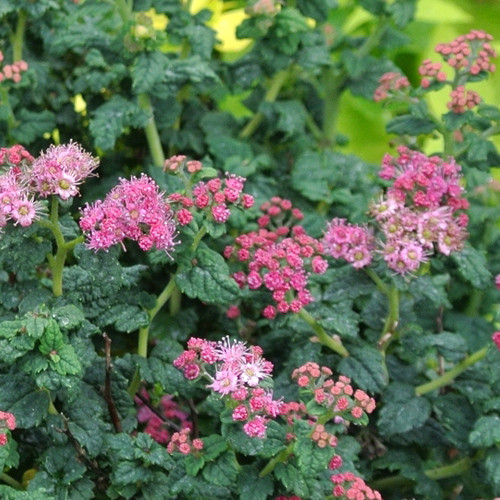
[
  {"x": 349, "y": 242},
  {"x": 134, "y": 209},
  {"x": 278, "y": 257},
  {"x": 182, "y": 442},
  {"x": 420, "y": 212},
  {"x": 61, "y": 169},
  {"x": 214, "y": 197},
  {"x": 16, "y": 198},
  {"x": 12, "y": 71},
  {"x": 390, "y": 85},
  {"x": 7, "y": 421},
  {"x": 58, "y": 171},
  {"x": 471, "y": 52},
  {"x": 431, "y": 71},
  {"x": 463, "y": 99},
  {"x": 158, "y": 419},
  {"x": 348, "y": 486},
  {"x": 336, "y": 396},
  {"x": 235, "y": 372}
]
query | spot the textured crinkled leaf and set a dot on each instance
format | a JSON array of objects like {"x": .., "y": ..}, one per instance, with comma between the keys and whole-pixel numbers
[
  {"x": 410, "y": 125},
  {"x": 148, "y": 70},
  {"x": 18, "y": 395},
  {"x": 68, "y": 316},
  {"x": 292, "y": 479},
  {"x": 239, "y": 441},
  {"x": 287, "y": 117},
  {"x": 11, "y": 349},
  {"x": 486, "y": 432},
  {"x": 224, "y": 147},
  {"x": 492, "y": 465},
  {"x": 52, "y": 338},
  {"x": 208, "y": 279},
  {"x": 194, "y": 464},
  {"x": 340, "y": 319},
  {"x": 316, "y": 9},
  {"x": 401, "y": 410},
  {"x": 223, "y": 471},
  {"x": 213, "y": 446},
  {"x": 473, "y": 267},
  {"x": 402, "y": 11},
  {"x": 311, "y": 458},
  {"x": 66, "y": 363},
  {"x": 113, "y": 118},
  {"x": 252, "y": 486},
  {"x": 32, "y": 125},
  {"x": 8, "y": 493},
  {"x": 125, "y": 317},
  {"x": 366, "y": 367}
]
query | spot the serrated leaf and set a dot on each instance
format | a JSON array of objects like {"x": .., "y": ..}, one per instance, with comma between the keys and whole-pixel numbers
[
  {"x": 213, "y": 446},
  {"x": 52, "y": 338},
  {"x": 148, "y": 70},
  {"x": 252, "y": 486},
  {"x": 473, "y": 267},
  {"x": 32, "y": 125},
  {"x": 67, "y": 363},
  {"x": 492, "y": 466},
  {"x": 365, "y": 365},
  {"x": 486, "y": 432},
  {"x": 208, "y": 279},
  {"x": 292, "y": 479},
  {"x": 401, "y": 410},
  {"x": 113, "y": 118},
  {"x": 222, "y": 472},
  {"x": 239, "y": 441},
  {"x": 410, "y": 125},
  {"x": 402, "y": 11},
  {"x": 310, "y": 457},
  {"x": 194, "y": 464},
  {"x": 68, "y": 316}
]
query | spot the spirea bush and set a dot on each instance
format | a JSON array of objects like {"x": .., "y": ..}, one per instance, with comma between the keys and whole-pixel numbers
[{"x": 203, "y": 295}]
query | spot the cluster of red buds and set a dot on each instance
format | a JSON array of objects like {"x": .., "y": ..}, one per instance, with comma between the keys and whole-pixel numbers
[
  {"x": 181, "y": 441},
  {"x": 214, "y": 197},
  {"x": 338, "y": 396},
  {"x": 278, "y": 257},
  {"x": 12, "y": 71},
  {"x": 391, "y": 84}
]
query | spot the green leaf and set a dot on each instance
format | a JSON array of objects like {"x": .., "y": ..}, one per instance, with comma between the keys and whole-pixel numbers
[
  {"x": 288, "y": 117},
  {"x": 402, "y": 11},
  {"x": 32, "y": 125},
  {"x": 317, "y": 9},
  {"x": 401, "y": 410},
  {"x": 310, "y": 457},
  {"x": 194, "y": 464},
  {"x": 148, "y": 70},
  {"x": 222, "y": 472},
  {"x": 486, "y": 432},
  {"x": 213, "y": 446},
  {"x": 52, "y": 338},
  {"x": 366, "y": 367},
  {"x": 252, "y": 486},
  {"x": 292, "y": 479},
  {"x": 224, "y": 147},
  {"x": 112, "y": 119},
  {"x": 18, "y": 395},
  {"x": 410, "y": 125},
  {"x": 208, "y": 279},
  {"x": 473, "y": 267},
  {"x": 239, "y": 441},
  {"x": 68, "y": 316},
  {"x": 66, "y": 362}
]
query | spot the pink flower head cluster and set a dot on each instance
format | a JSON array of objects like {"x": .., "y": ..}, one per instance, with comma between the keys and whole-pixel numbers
[
  {"x": 61, "y": 169},
  {"x": 17, "y": 200},
  {"x": 470, "y": 53},
  {"x": 278, "y": 257},
  {"x": 182, "y": 442},
  {"x": 463, "y": 99},
  {"x": 421, "y": 211},
  {"x": 214, "y": 197},
  {"x": 235, "y": 371},
  {"x": 348, "y": 486},
  {"x": 158, "y": 419},
  {"x": 177, "y": 164},
  {"x": 12, "y": 71},
  {"x": 134, "y": 209},
  {"x": 349, "y": 242},
  {"x": 338, "y": 396},
  {"x": 391, "y": 84},
  {"x": 7, "y": 421},
  {"x": 263, "y": 7},
  {"x": 431, "y": 71}
]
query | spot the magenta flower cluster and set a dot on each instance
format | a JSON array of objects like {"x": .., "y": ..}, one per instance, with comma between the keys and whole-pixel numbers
[
  {"x": 278, "y": 257},
  {"x": 215, "y": 197},
  {"x": 12, "y": 71},
  {"x": 58, "y": 171},
  {"x": 135, "y": 209},
  {"x": 421, "y": 212},
  {"x": 235, "y": 372}
]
